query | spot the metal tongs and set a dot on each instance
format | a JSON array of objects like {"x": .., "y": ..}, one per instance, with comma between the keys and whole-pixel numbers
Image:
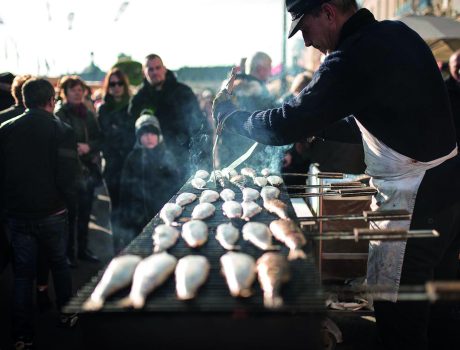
[{"x": 229, "y": 90}]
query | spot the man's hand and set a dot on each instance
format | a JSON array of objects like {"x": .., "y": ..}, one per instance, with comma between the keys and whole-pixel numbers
[
  {"x": 222, "y": 106},
  {"x": 82, "y": 148}
]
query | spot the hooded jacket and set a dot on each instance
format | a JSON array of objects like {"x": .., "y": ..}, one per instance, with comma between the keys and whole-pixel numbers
[{"x": 148, "y": 180}]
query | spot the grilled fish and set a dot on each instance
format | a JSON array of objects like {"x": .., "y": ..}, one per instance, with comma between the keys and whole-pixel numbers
[
  {"x": 151, "y": 273},
  {"x": 195, "y": 233},
  {"x": 164, "y": 237},
  {"x": 229, "y": 173},
  {"x": 260, "y": 181},
  {"x": 227, "y": 195},
  {"x": 118, "y": 275},
  {"x": 273, "y": 271},
  {"x": 201, "y": 174},
  {"x": 249, "y": 172},
  {"x": 203, "y": 211},
  {"x": 277, "y": 207},
  {"x": 239, "y": 270},
  {"x": 258, "y": 234},
  {"x": 209, "y": 196},
  {"x": 250, "y": 209},
  {"x": 287, "y": 232},
  {"x": 275, "y": 180},
  {"x": 198, "y": 183},
  {"x": 250, "y": 194},
  {"x": 232, "y": 209},
  {"x": 170, "y": 212},
  {"x": 191, "y": 273},
  {"x": 269, "y": 192},
  {"x": 265, "y": 172},
  {"x": 238, "y": 179},
  {"x": 227, "y": 235},
  {"x": 185, "y": 198}
]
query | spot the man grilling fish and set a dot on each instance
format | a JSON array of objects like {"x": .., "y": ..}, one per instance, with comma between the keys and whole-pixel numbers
[{"x": 378, "y": 85}]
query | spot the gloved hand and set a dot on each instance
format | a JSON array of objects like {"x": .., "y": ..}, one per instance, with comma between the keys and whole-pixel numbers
[{"x": 222, "y": 106}]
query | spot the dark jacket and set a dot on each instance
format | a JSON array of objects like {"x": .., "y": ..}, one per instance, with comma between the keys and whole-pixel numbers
[
  {"x": 383, "y": 74},
  {"x": 147, "y": 182},
  {"x": 184, "y": 126},
  {"x": 38, "y": 165},
  {"x": 117, "y": 129},
  {"x": 453, "y": 88},
  {"x": 11, "y": 112}
]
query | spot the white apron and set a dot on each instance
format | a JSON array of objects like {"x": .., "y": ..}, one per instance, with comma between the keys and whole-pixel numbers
[{"x": 397, "y": 179}]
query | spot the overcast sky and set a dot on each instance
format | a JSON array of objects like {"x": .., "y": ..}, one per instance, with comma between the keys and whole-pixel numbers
[{"x": 183, "y": 32}]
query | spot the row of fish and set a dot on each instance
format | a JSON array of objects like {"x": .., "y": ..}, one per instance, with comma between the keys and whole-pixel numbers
[{"x": 191, "y": 272}]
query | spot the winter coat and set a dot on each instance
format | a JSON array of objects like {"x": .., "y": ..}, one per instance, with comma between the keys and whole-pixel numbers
[
  {"x": 11, "y": 113},
  {"x": 453, "y": 88}
]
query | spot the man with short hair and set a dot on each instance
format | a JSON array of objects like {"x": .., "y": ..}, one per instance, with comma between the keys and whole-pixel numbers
[
  {"x": 38, "y": 170},
  {"x": 175, "y": 105},
  {"x": 379, "y": 85},
  {"x": 16, "y": 91}
]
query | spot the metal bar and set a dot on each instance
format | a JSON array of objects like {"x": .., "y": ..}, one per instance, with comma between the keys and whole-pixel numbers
[
  {"x": 369, "y": 235},
  {"x": 334, "y": 194},
  {"x": 319, "y": 175},
  {"x": 367, "y": 216}
]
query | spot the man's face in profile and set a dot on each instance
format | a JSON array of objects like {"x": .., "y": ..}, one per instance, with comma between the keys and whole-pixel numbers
[{"x": 155, "y": 72}]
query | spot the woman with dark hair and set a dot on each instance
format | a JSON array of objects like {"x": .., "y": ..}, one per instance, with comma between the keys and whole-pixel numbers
[
  {"x": 118, "y": 130},
  {"x": 74, "y": 112}
]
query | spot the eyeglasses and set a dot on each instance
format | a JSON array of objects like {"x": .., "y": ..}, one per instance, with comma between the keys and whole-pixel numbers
[{"x": 115, "y": 83}]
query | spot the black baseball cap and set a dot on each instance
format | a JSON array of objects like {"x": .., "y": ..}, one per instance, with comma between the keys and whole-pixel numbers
[{"x": 297, "y": 9}]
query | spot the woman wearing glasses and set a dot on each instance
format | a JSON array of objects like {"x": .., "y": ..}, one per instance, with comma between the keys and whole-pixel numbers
[{"x": 118, "y": 131}]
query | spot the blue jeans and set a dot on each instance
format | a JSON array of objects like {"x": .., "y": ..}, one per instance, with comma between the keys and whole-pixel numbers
[{"x": 28, "y": 236}]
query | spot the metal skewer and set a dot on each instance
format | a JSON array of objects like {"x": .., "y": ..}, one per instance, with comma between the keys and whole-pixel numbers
[
  {"x": 321, "y": 175},
  {"x": 367, "y": 216},
  {"x": 370, "y": 235},
  {"x": 345, "y": 192}
]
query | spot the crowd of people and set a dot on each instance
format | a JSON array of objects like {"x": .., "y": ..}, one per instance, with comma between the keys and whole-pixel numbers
[{"x": 57, "y": 147}]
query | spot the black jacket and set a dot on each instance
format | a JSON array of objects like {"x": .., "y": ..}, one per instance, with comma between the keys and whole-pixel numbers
[
  {"x": 38, "y": 165},
  {"x": 184, "y": 126},
  {"x": 11, "y": 112},
  {"x": 453, "y": 88},
  {"x": 383, "y": 74}
]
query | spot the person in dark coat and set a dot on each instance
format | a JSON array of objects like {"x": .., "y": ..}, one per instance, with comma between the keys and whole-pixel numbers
[
  {"x": 89, "y": 138},
  {"x": 118, "y": 132},
  {"x": 18, "y": 107},
  {"x": 184, "y": 126},
  {"x": 38, "y": 175},
  {"x": 453, "y": 88},
  {"x": 146, "y": 179},
  {"x": 6, "y": 99},
  {"x": 380, "y": 85}
]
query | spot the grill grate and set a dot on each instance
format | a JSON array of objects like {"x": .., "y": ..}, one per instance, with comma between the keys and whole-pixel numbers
[{"x": 300, "y": 294}]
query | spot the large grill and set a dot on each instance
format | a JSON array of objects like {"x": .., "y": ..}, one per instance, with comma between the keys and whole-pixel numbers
[{"x": 301, "y": 295}]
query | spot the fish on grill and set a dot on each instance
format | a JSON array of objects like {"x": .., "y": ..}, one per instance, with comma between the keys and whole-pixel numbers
[
  {"x": 164, "y": 237},
  {"x": 289, "y": 233},
  {"x": 209, "y": 196},
  {"x": 118, "y": 275},
  {"x": 260, "y": 181},
  {"x": 198, "y": 183},
  {"x": 259, "y": 234},
  {"x": 275, "y": 180},
  {"x": 250, "y": 194},
  {"x": 273, "y": 272},
  {"x": 229, "y": 173},
  {"x": 269, "y": 192},
  {"x": 203, "y": 211},
  {"x": 232, "y": 209},
  {"x": 250, "y": 209},
  {"x": 238, "y": 179},
  {"x": 277, "y": 207},
  {"x": 150, "y": 273},
  {"x": 249, "y": 172},
  {"x": 265, "y": 172},
  {"x": 227, "y": 195},
  {"x": 185, "y": 198},
  {"x": 239, "y": 270},
  {"x": 191, "y": 273},
  {"x": 195, "y": 233},
  {"x": 170, "y": 212},
  {"x": 227, "y": 235},
  {"x": 201, "y": 174}
]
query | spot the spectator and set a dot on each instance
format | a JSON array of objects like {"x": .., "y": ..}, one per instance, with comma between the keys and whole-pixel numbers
[
  {"x": 118, "y": 130},
  {"x": 147, "y": 175},
  {"x": 176, "y": 107},
  {"x": 453, "y": 88},
  {"x": 6, "y": 99},
  {"x": 18, "y": 107},
  {"x": 74, "y": 112},
  {"x": 38, "y": 165}
]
